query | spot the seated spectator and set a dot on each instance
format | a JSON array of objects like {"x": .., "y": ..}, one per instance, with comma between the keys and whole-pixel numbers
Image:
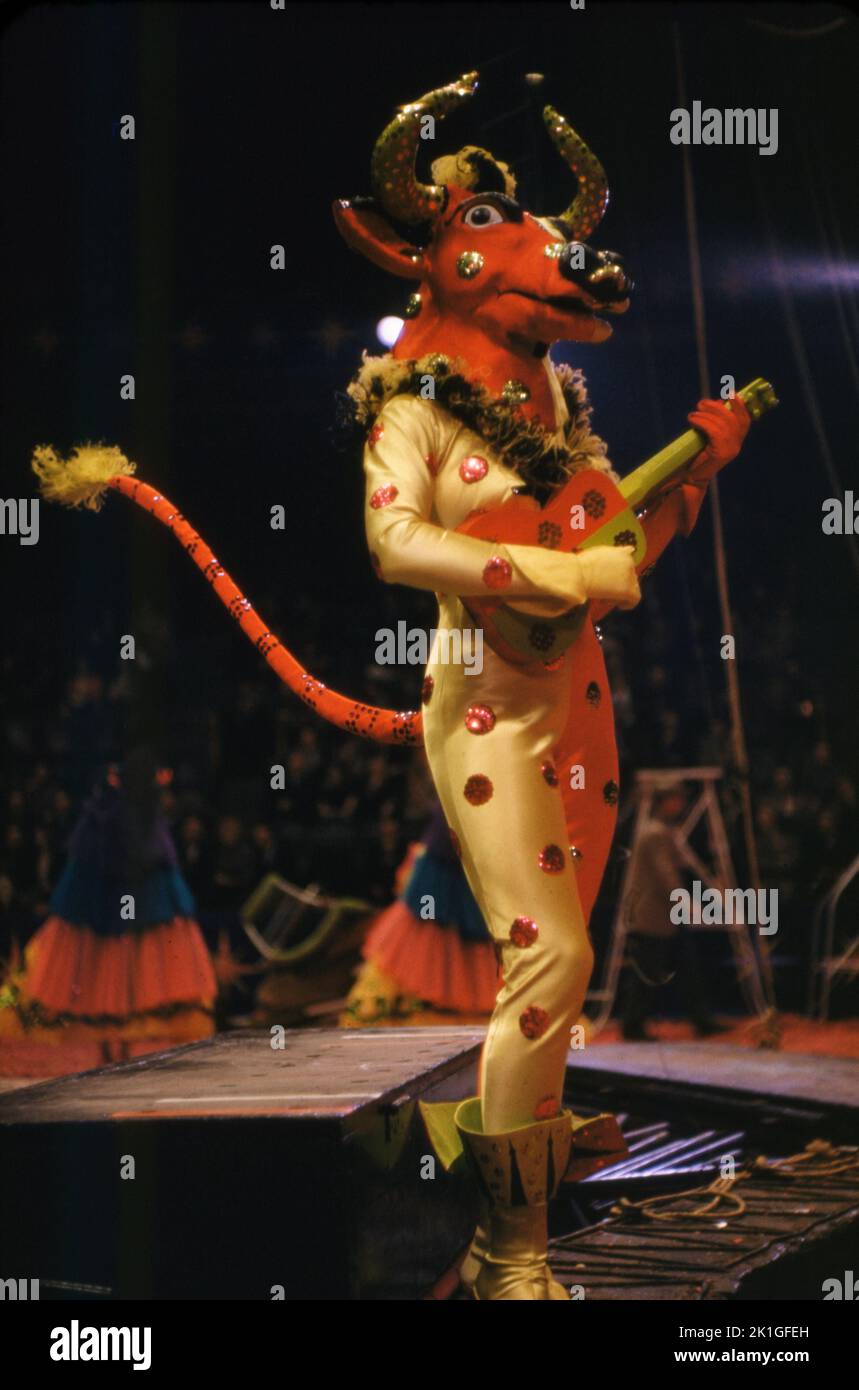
[
  {"x": 233, "y": 874},
  {"x": 195, "y": 856}
]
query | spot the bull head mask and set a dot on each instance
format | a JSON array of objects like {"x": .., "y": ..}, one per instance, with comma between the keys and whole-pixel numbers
[{"x": 495, "y": 280}]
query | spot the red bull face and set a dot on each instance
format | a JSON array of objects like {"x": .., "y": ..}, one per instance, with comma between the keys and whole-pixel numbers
[
  {"x": 517, "y": 278},
  {"x": 498, "y": 284}
]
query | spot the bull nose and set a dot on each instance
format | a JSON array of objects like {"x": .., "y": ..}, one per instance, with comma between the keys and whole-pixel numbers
[{"x": 601, "y": 274}]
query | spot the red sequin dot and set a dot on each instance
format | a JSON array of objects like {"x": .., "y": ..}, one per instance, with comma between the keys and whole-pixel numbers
[
  {"x": 478, "y": 790},
  {"x": 547, "y": 1108},
  {"x": 427, "y": 688},
  {"x": 375, "y": 435},
  {"x": 524, "y": 932},
  {"x": 497, "y": 572},
  {"x": 552, "y": 859},
  {"x": 479, "y": 719},
  {"x": 383, "y": 496},
  {"x": 432, "y": 463},
  {"x": 472, "y": 469},
  {"x": 534, "y": 1022},
  {"x": 457, "y": 847},
  {"x": 550, "y": 775}
]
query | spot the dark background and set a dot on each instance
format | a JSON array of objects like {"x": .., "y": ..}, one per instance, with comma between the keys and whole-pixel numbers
[{"x": 152, "y": 257}]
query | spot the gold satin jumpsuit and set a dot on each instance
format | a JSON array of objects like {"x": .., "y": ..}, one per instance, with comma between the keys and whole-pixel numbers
[{"x": 500, "y": 742}]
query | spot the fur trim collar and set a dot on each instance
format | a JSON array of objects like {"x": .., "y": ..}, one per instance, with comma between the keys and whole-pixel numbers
[{"x": 533, "y": 452}]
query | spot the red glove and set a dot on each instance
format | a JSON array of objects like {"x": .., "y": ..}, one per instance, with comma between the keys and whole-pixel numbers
[{"x": 726, "y": 424}]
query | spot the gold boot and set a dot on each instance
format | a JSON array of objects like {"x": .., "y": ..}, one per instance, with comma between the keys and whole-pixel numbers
[
  {"x": 520, "y": 1172},
  {"x": 596, "y": 1143},
  {"x": 475, "y": 1259}
]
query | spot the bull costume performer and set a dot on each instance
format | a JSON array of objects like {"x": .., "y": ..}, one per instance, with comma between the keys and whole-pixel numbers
[{"x": 471, "y": 436}]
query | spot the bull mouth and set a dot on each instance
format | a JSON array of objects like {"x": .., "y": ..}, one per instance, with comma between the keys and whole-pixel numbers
[{"x": 566, "y": 303}]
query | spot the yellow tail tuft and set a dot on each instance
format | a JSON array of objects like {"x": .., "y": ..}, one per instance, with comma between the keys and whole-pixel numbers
[{"x": 81, "y": 480}]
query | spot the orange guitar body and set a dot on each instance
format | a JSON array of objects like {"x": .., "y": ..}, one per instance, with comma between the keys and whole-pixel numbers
[{"x": 588, "y": 510}]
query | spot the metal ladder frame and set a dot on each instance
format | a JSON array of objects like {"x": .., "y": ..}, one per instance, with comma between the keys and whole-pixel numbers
[
  {"x": 825, "y": 967},
  {"x": 706, "y": 805}
]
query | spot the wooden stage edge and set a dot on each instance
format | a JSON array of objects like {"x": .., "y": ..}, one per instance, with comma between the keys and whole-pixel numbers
[
  {"x": 786, "y": 1076},
  {"x": 215, "y": 1068}
]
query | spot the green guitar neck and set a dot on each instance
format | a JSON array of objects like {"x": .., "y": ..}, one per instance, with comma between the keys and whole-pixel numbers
[{"x": 647, "y": 479}]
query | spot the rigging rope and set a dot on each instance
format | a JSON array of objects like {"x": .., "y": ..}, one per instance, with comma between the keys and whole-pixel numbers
[
  {"x": 769, "y": 1035},
  {"x": 819, "y": 1159}
]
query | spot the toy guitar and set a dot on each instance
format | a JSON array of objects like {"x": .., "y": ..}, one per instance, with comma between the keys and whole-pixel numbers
[{"x": 588, "y": 510}]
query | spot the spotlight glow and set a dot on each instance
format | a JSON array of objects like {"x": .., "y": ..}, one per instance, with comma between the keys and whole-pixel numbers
[
  {"x": 388, "y": 330},
  {"x": 743, "y": 277}
]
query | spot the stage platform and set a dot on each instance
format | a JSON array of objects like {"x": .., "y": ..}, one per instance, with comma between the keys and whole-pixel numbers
[
  {"x": 316, "y": 1072},
  {"x": 832, "y": 1082},
  {"x": 689, "y": 1111},
  {"x": 228, "y": 1168},
  {"x": 253, "y": 1167},
  {"x": 814, "y": 1089}
]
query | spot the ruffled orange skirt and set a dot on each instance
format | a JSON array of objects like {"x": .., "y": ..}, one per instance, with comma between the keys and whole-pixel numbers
[
  {"x": 433, "y": 963},
  {"x": 158, "y": 983}
]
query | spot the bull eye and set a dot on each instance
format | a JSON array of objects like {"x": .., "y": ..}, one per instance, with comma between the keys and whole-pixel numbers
[{"x": 482, "y": 215}]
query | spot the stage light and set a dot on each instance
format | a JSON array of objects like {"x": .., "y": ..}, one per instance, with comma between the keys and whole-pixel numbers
[
  {"x": 388, "y": 330},
  {"x": 744, "y": 276},
  {"x": 812, "y": 273}
]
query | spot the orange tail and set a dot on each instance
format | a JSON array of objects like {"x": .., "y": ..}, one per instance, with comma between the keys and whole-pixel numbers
[{"x": 381, "y": 725}]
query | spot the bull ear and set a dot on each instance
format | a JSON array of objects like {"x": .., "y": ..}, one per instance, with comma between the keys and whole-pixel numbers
[{"x": 366, "y": 229}]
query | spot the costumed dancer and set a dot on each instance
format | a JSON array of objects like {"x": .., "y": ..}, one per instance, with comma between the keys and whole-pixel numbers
[
  {"x": 120, "y": 962},
  {"x": 498, "y": 286},
  {"x": 428, "y": 958},
  {"x": 465, "y": 411}
]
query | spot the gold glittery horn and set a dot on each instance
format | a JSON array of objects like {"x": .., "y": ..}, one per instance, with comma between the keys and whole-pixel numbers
[
  {"x": 393, "y": 165},
  {"x": 586, "y": 210}
]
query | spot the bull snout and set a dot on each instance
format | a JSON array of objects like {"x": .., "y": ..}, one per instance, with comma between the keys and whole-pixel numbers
[{"x": 600, "y": 274}]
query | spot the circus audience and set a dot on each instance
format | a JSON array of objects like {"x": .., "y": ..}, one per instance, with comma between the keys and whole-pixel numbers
[{"x": 343, "y": 812}]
